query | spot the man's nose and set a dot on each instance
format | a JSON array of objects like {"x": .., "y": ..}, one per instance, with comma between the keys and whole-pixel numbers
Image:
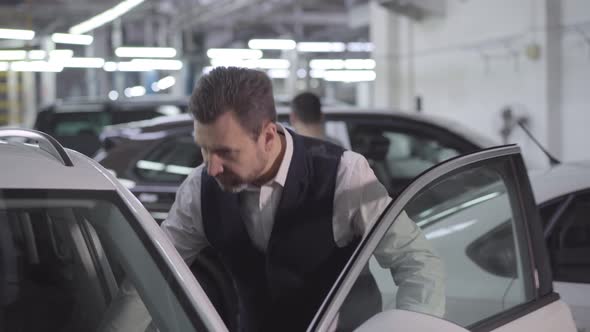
[{"x": 214, "y": 165}]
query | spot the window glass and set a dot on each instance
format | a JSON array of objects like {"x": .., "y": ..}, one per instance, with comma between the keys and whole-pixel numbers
[
  {"x": 569, "y": 241},
  {"x": 78, "y": 265},
  {"x": 171, "y": 161},
  {"x": 476, "y": 235},
  {"x": 397, "y": 157}
]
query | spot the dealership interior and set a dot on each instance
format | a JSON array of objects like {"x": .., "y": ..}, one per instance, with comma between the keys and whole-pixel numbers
[{"x": 457, "y": 125}]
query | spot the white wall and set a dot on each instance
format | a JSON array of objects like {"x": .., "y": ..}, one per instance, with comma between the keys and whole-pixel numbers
[{"x": 471, "y": 63}]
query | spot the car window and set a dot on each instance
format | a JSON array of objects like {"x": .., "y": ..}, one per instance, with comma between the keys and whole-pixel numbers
[
  {"x": 75, "y": 264},
  {"x": 395, "y": 156},
  {"x": 478, "y": 236},
  {"x": 569, "y": 241},
  {"x": 170, "y": 161}
]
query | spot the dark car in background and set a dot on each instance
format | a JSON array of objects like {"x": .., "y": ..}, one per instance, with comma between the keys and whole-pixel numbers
[
  {"x": 153, "y": 157},
  {"x": 77, "y": 124}
]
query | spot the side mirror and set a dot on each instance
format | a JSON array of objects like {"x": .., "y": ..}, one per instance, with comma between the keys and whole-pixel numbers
[{"x": 402, "y": 321}]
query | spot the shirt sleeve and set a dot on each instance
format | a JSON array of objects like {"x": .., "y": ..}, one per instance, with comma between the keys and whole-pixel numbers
[
  {"x": 359, "y": 201},
  {"x": 184, "y": 224}
]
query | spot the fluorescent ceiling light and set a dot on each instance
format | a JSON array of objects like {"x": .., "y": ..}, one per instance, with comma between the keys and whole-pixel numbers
[
  {"x": 17, "y": 34},
  {"x": 207, "y": 69},
  {"x": 4, "y": 66},
  {"x": 82, "y": 62},
  {"x": 60, "y": 54},
  {"x": 278, "y": 73},
  {"x": 110, "y": 66},
  {"x": 272, "y": 44},
  {"x": 349, "y": 75},
  {"x": 13, "y": 55},
  {"x": 253, "y": 63},
  {"x": 105, "y": 17},
  {"x": 131, "y": 66},
  {"x": 317, "y": 73},
  {"x": 136, "y": 91},
  {"x": 65, "y": 38},
  {"x": 321, "y": 47},
  {"x": 360, "y": 47},
  {"x": 233, "y": 53},
  {"x": 36, "y": 55},
  {"x": 163, "y": 84},
  {"x": 326, "y": 64},
  {"x": 37, "y": 66},
  {"x": 53, "y": 55},
  {"x": 145, "y": 52},
  {"x": 359, "y": 64},
  {"x": 113, "y": 95}
]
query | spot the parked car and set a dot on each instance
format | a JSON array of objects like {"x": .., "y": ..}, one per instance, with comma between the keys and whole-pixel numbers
[
  {"x": 77, "y": 245},
  {"x": 76, "y": 124},
  {"x": 153, "y": 157}
]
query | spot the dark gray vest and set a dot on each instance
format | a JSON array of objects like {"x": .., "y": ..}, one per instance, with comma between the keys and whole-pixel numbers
[{"x": 281, "y": 290}]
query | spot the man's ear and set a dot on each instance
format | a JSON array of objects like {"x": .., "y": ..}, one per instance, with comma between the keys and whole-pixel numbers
[{"x": 269, "y": 135}]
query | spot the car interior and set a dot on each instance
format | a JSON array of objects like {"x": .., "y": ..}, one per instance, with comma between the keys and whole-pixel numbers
[{"x": 55, "y": 275}]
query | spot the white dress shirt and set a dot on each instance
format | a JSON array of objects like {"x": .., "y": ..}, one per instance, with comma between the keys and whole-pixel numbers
[{"x": 359, "y": 200}]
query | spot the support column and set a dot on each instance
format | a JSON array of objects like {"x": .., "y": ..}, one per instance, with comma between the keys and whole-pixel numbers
[
  {"x": 48, "y": 80},
  {"x": 28, "y": 99},
  {"x": 385, "y": 36},
  {"x": 554, "y": 82}
]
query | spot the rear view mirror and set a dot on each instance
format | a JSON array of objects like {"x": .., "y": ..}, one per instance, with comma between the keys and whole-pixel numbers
[{"x": 403, "y": 321}]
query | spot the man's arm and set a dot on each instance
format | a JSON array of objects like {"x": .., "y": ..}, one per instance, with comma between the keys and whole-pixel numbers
[
  {"x": 184, "y": 224},
  {"x": 416, "y": 269}
]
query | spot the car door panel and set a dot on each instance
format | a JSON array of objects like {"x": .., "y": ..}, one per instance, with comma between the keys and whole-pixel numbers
[{"x": 487, "y": 233}]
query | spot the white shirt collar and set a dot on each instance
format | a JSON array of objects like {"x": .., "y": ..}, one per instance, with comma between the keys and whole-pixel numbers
[{"x": 281, "y": 176}]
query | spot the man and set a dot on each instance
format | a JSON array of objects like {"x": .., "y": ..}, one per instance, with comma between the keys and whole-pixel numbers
[
  {"x": 307, "y": 118},
  {"x": 283, "y": 211}
]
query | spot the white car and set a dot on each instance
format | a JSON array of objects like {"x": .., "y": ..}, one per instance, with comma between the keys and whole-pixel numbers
[{"x": 76, "y": 246}]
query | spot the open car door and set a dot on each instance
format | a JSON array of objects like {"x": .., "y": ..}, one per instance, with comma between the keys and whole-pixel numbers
[{"x": 479, "y": 214}]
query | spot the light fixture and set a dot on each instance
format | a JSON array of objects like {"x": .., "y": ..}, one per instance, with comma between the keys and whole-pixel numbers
[
  {"x": 13, "y": 55},
  {"x": 36, "y": 66},
  {"x": 145, "y": 52},
  {"x": 36, "y": 55},
  {"x": 360, "y": 47},
  {"x": 110, "y": 66},
  {"x": 105, "y": 17},
  {"x": 349, "y": 75},
  {"x": 321, "y": 47},
  {"x": 83, "y": 62},
  {"x": 66, "y": 38},
  {"x": 17, "y": 34},
  {"x": 60, "y": 54},
  {"x": 353, "y": 64},
  {"x": 326, "y": 64},
  {"x": 4, "y": 66},
  {"x": 359, "y": 64},
  {"x": 252, "y": 63},
  {"x": 164, "y": 83},
  {"x": 272, "y": 44},
  {"x": 233, "y": 53},
  {"x": 113, "y": 95},
  {"x": 136, "y": 91}
]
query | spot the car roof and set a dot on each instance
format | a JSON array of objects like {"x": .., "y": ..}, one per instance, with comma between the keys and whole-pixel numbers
[
  {"x": 560, "y": 180},
  {"x": 166, "y": 122},
  {"x": 27, "y": 166}
]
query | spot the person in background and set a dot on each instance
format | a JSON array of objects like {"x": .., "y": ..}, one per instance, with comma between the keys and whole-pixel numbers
[{"x": 307, "y": 118}]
